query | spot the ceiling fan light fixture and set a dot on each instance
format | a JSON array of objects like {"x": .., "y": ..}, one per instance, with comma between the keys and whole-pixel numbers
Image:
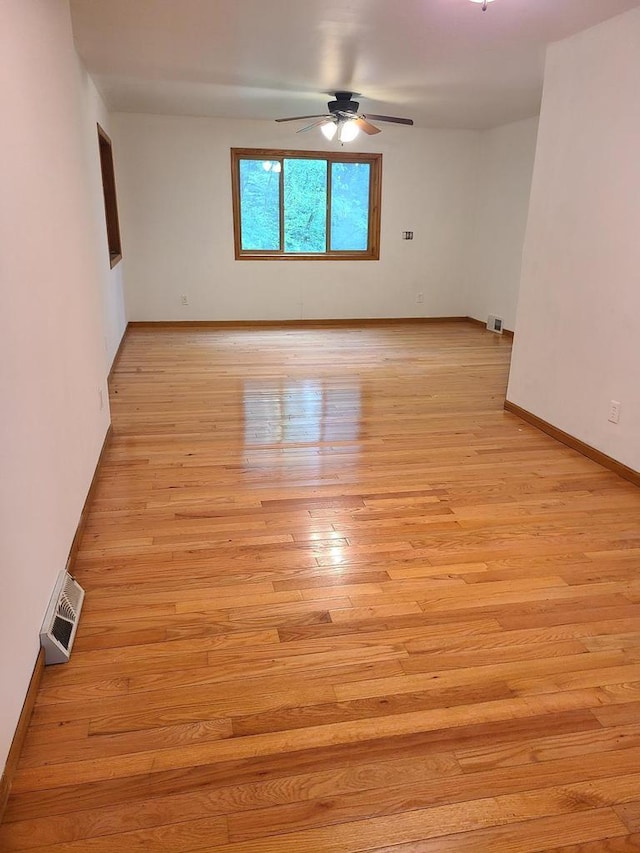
[
  {"x": 329, "y": 130},
  {"x": 484, "y": 3},
  {"x": 348, "y": 131},
  {"x": 344, "y": 120}
]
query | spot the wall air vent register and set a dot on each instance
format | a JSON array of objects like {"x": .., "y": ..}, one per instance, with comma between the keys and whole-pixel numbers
[{"x": 61, "y": 619}]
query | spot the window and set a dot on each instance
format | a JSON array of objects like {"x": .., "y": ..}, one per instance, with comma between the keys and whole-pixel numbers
[
  {"x": 309, "y": 205},
  {"x": 110, "y": 201}
]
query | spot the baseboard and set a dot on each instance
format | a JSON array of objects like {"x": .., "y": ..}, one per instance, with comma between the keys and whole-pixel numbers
[
  {"x": 506, "y": 332},
  {"x": 575, "y": 444},
  {"x": 87, "y": 503},
  {"x": 21, "y": 732},
  {"x": 324, "y": 323},
  {"x": 251, "y": 324},
  {"x": 116, "y": 357}
]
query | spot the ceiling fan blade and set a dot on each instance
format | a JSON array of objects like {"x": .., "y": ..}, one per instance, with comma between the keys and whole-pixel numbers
[
  {"x": 364, "y": 125},
  {"x": 323, "y": 120},
  {"x": 394, "y": 119},
  {"x": 300, "y": 118}
]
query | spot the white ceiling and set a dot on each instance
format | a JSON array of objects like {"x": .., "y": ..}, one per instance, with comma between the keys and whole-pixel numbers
[{"x": 444, "y": 63}]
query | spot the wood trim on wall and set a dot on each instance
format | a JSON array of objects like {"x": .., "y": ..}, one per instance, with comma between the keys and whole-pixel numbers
[
  {"x": 87, "y": 503},
  {"x": 20, "y": 734},
  {"x": 372, "y": 252},
  {"x": 27, "y": 709},
  {"x": 251, "y": 324},
  {"x": 575, "y": 443},
  {"x": 328, "y": 323},
  {"x": 105, "y": 149},
  {"x": 116, "y": 357}
]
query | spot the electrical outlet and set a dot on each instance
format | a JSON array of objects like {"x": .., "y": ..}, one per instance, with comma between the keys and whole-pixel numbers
[
  {"x": 614, "y": 412},
  {"x": 407, "y": 235},
  {"x": 100, "y": 399},
  {"x": 419, "y": 298},
  {"x": 184, "y": 299}
]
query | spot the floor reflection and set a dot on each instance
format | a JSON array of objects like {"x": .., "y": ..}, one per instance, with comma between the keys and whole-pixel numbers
[{"x": 293, "y": 411}]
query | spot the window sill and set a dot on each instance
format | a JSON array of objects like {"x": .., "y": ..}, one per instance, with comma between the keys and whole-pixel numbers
[{"x": 343, "y": 256}]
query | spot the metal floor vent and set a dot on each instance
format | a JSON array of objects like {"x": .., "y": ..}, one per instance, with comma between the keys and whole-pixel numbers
[
  {"x": 61, "y": 619},
  {"x": 495, "y": 324}
]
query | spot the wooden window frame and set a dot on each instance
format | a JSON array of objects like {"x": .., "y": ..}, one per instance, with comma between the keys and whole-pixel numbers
[
  {"x": 110, "y": 199},
  {"x": 371, "y": 253}
]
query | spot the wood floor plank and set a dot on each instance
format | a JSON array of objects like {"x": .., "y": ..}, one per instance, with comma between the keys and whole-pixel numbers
[
  {"x": 630, "y": 814},
  {"x": 311, "y": 737},
  {"x": 179, "y": 836},
  {"x": 405, "y": 802},
  {"x": 618, "y": 715},
  {"x": 303, "y": 775},
  {"x": 575, "y": 834},
  {"x": 549, "y": 748},
  {"x": 511, "y": 670},
  {"x": 338, "y": 600},
  {"x": 196, "y": 805},
  {"x": 628, "y": 844}
]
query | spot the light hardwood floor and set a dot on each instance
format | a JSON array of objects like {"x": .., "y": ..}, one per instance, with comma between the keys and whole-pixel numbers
[{"x": 338, "y": 600}]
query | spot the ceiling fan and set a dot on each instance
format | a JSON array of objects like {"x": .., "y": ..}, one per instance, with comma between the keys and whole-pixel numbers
[{"x": 344, "y": 119}]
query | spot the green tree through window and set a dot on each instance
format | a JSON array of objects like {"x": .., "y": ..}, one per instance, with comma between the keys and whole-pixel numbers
[
  {"x": 260, "y": 191},
  {"x": 306, "y": 205},
  {"x": 350, "y": 206}
]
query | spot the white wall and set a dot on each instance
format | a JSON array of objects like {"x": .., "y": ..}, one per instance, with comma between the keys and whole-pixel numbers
[
  {"x": 175, "y": 200},
  {"x": 94, "y": 111},
  {"x": 577, "y": 344},
  {"x": 505, "y": 167},
  {"x": 52, "y": 349}
]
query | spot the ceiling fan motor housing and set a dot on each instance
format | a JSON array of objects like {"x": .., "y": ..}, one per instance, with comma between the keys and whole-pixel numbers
[{"x": 343, "y": 104}]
